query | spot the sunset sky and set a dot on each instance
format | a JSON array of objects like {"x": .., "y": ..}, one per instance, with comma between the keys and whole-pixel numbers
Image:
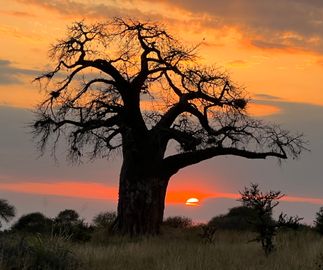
[{"x": 274, "y": 49}]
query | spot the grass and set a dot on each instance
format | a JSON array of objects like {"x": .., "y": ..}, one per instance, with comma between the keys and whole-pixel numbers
[
  {"x": 185, "y": 251},
  {"x": 181, "y": 249}
]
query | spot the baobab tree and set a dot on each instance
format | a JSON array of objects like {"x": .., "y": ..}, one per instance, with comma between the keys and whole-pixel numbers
[{"x": 128, "y": 85}]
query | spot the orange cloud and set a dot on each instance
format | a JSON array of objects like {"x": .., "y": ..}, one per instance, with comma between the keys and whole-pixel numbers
[
  {"x": 255, "y": 109},
  {"x": 17, "y": 13},
  {"x": 238, "y": 64}
]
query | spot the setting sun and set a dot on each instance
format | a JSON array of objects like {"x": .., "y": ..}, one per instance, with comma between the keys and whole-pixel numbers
[{"x": 192, "y": 202}]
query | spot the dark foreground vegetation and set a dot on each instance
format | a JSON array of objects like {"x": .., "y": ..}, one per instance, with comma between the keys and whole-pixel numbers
[
  {"x": 176, "y": 248},
  {"x": 247, "y": 237}
]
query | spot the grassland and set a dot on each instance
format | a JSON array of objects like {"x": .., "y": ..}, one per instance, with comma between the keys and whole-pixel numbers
[
  {"x": 186, "y": 251},
  {"x": 175, "y": 249}
]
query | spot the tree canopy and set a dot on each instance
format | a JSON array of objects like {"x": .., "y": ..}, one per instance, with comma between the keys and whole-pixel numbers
[{"x": 125, "y": 73}]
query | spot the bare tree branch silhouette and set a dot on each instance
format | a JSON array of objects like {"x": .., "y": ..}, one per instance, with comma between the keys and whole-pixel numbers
[{"x": 132, "y": 86}]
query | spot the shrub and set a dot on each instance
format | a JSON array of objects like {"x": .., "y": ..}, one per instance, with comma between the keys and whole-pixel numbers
[
  {"x": 36, "y": 253},
  {"x": 319, "y": 221},
  {"x": 68, "y": 216},
  {"x": 240, "y": 218},
  {"x": 178, "y": 222},
  {"x": 33, "y": 223},
  {"x": 287, "y": 222},
  {"x": 68, "y": 223},
  {"x": 263, "y": 205},
  {"x": 7, "y": 211},
  {"x": 103, "y": 227},
  {"x": 52, "y": 253},
  {"x": 104, "y": 219},
  {"x": 14, "y": 252}
]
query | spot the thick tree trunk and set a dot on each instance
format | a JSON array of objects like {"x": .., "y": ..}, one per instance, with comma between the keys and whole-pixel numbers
[
  {"x": 142, "y": 188},
  {"x": 141, "y": 203}
]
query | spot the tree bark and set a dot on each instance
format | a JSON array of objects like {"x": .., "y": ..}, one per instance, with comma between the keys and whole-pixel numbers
[
  {"x": 141, "y": 203},
  {"x": 142, "y": 189}
]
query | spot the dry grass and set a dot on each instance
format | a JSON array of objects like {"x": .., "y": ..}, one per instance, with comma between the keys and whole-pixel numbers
[{"x": 185, "y": 251}]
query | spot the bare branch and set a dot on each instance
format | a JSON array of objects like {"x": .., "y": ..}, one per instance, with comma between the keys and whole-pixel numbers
[
  {"x": 179, "y": 161},
  {"x": 111, "y": 68}
]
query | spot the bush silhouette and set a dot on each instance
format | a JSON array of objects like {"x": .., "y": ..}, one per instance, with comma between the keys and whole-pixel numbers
[
  {"x": 263, "y": 204},
  {"x": 104, "y": 219},
  {"x": 178, "y": 222},
  {"x": 319, "y": 221},
  {"x": 67, "y": 216},
  {"x": 33, "y": 223},
  {"x": 50, "y": 252},
  {"x": 238, "y": 218},
  {"x": 69, "y": 223},
  {"x": 7, "y": 211}
]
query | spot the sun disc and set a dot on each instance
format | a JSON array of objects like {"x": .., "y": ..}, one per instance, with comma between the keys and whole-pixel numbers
[{"x": 192, "y": 202}]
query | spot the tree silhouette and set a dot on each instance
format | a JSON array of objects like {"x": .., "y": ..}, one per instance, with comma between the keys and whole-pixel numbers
[
  {"x": 7, "y": 211},
  {"x": 67, "y": 216},
  {"x": 263, "y": 204},
  {"x": 318, "y": 222},
  {"x": 238, "y": 218},
  {"x": 69, "y": 223},
  {"x": 132, "y": 86},
  {"x": 33, "y": 223},
  {"x": 104, "y": 219}
]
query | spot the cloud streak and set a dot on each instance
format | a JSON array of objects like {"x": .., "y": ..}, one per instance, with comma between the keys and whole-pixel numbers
[
  {"x": 98, "y": 191},
  {"x": 9, "y": 74},
  {"x": 283, "y": 25},
  {"x": 71, "y": 8}
]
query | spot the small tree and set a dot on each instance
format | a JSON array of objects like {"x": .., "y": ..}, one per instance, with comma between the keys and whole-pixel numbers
[
  {"x": 319, "y": 221},
  {"x": 68, "y": 222},
  {"x": 104, "y": 224},
  {"x": 263, "y": 204},
  {"x": 104, "y": 219},
  {"x": 67, "y": 216},
  {"x": 7, "y": 211},
  {"x": 33, "y": 223}
]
